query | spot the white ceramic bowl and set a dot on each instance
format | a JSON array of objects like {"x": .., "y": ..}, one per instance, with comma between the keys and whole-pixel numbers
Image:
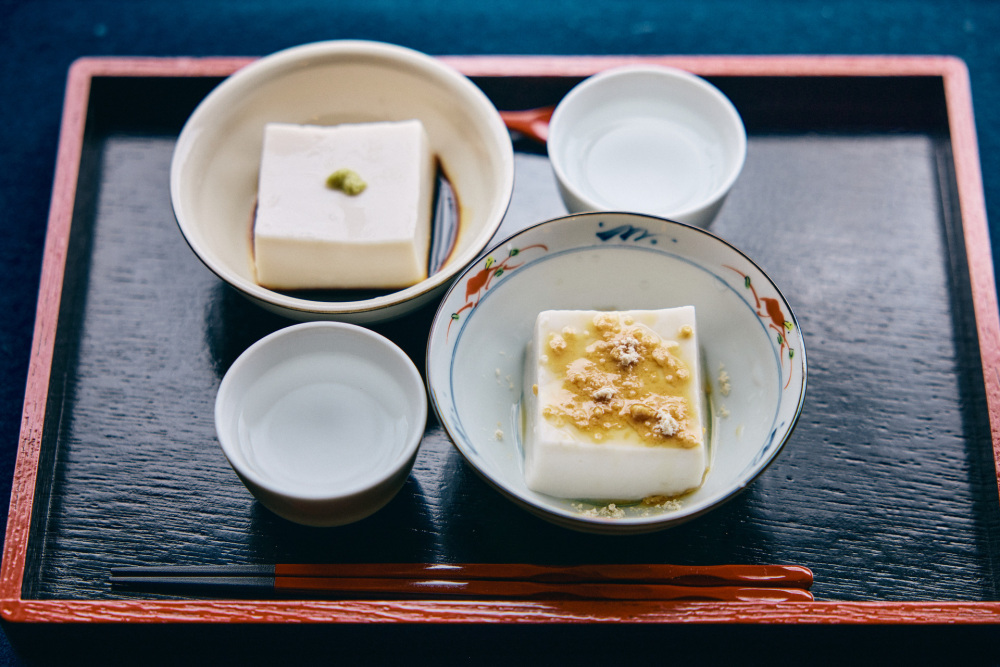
[
  {"x": 647, "y": 139},
  {"x": 322, "y": 421},
  {"x": 213, "y": 176},
  {"x": 616, "y": 261}
]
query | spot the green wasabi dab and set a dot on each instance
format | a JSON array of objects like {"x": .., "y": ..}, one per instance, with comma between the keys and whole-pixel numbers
[{"x": 347, "y": 181}]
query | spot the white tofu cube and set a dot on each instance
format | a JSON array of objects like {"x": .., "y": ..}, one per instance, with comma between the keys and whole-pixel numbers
[
  {"x": 310, "y": 235},
  {"x": 614, "y": 405}
]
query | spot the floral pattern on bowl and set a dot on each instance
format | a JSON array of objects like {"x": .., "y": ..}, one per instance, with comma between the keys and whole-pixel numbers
[
  {"x": 752, "y": 350},
  {"x": 479, "y": 281}
]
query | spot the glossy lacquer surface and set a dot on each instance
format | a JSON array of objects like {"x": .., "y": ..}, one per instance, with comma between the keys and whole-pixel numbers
[{"x": 849, "y": 201}]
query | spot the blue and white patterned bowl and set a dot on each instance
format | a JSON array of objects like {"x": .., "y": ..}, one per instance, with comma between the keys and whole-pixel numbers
[{"x": 752, "y": 350}]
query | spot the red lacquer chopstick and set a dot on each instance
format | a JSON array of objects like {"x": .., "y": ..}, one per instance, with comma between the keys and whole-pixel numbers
[
  {"x": 794, "y": 576},
  {"x": 530, "y": 590}
]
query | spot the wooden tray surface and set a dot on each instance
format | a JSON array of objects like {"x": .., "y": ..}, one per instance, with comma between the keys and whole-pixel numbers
[{"x": 861, "y": 198}]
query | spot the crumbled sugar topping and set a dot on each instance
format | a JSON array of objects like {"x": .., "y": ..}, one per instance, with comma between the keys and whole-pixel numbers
[
  {"x": 725, "y": 385},
  {"x": 625, "y": 350},
  {"x": 665, "y": 425},
  {"x": 649, "y": 506},
  {"x": 504, "y": 379},
  {"x": 605, "y": 393},
  {"x": 609, "y": 511},
  {"x": 621, "y": 378},
  {"x": 662, "y": 502}
]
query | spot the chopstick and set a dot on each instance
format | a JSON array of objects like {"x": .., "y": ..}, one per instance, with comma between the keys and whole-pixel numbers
[
  {"x": 532, "y": 123},
  {"x": 773, "y": 583}
]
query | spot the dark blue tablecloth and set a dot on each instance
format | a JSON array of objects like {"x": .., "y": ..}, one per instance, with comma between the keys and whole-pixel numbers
[{"x": 40, "y": 39}]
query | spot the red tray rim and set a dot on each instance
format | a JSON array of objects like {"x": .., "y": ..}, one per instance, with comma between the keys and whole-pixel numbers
[{"x": 13, "y": 608}]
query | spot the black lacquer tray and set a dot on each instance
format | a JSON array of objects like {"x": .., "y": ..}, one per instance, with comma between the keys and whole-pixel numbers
[{"x": 860, "y": 197}]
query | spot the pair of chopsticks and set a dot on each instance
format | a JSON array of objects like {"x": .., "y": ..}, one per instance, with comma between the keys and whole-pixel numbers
[{"x": 742, "y": 583}]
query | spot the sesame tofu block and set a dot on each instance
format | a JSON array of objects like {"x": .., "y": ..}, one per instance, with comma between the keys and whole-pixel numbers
[
  {"x": 311, "y": 234},
  {"x": 613, "y": 404}
]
